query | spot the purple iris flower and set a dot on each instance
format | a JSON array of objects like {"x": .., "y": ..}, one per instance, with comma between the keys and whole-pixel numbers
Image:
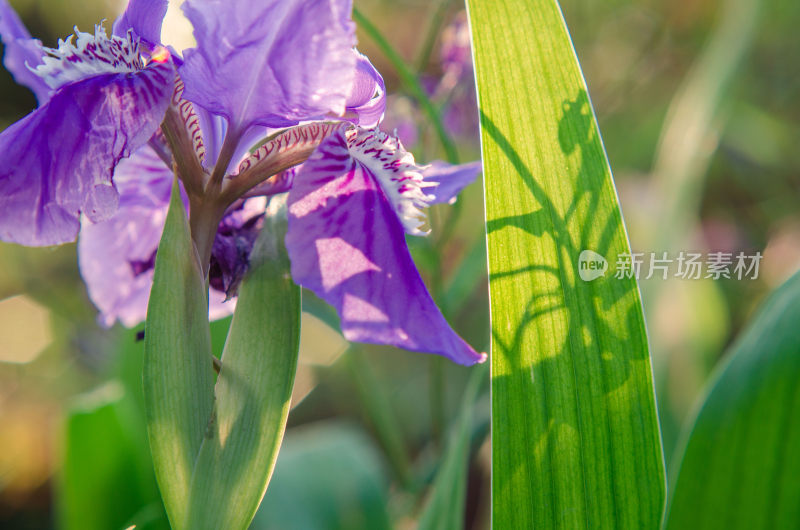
[{"x": 273, "y": 99}]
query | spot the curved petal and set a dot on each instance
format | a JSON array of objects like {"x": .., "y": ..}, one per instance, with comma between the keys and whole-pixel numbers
[
  {"x": 272, "y": 63},
  {"x": 64, "y": 153},
  {"x": 450, "y": 179},
  {"x": 144, "y": 17},
  {"x": 21, "y": 51},
  {"x": 367, "y": 100},
  {"x": 116, "y": 256},
  {"x": 347, "y": 245}
]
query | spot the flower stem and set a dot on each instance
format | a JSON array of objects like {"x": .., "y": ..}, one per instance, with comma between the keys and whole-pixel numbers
[
  {"x": 229, "y": 145},
  {"x": 204, "y": 219}
]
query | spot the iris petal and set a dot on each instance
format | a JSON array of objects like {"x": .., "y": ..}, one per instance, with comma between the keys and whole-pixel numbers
[
  {"x": 20, "y": 52},
  {"x": 272, "y": 63},
  {"x": 144, "y": 17},
  {"x": 116, "y": 256},
  {"x": 64, "y": 153},
  {"x": 367, "y": 100},
  {"x": 450, "y": 179},
  {"x": 347, "y": 245}
]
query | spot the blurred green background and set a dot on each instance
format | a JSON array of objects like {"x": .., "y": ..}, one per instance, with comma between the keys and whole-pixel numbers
[{"x": 697, "y": 103}]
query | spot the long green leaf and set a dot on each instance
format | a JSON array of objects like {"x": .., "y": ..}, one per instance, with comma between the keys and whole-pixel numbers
[
  {"x": 178, "y": 372},
  {"x": 740, "y": 467},
  {"x": 253, "y": 391},
  {"x": 575, "y": 438}
]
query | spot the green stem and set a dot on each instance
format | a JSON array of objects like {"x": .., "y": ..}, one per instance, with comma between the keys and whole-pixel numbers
[
  {"x": 411, "y": 83},
  {"x": 204, "y": 218},
  {"x": 453, "y": 214},
  {"x": 430, "y": 38},
  {"x": 437, "y": 399}
]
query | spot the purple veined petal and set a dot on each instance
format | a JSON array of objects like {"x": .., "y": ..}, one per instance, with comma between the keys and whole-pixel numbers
[
  {"x": 144, "y": 17},
  {"x": 399, "y": 177},
  {"x": 272, "y": 63},
  {"x": 347, "y": 245},
  {"x": 367, "y": 99},
  {"x": 83, "y": 55},
  {"x": 21, "y": 51},
  {"x": 450, "y": 179},
  {"x": 62, "y": 155},
  {"x": 117, "y": 256}
]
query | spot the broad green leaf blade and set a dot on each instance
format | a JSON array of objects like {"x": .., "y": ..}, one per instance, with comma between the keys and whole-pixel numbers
[
  {"x": 740, "y": 466},
  {"x": 575, "y": 439},
  {"x": 178, "y": 372},
  {"x": 445, "y": 506},
  {"x": 253, "y": 391}
]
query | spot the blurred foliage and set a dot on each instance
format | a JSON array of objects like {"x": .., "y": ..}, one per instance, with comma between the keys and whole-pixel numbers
[
  {"x": 740, "y": 468},
  {"x": 329, "y": 475},
  {"x": 635, "y": 56}
]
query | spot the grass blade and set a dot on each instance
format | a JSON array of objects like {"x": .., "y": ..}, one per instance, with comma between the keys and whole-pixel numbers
[{"x": 575, "y": 437}]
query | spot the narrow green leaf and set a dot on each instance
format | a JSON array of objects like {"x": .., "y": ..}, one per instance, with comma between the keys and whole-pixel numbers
[
  {"x": 575, "y": 438},
  {"x": 253, "y": 391},
  {"x": 178, "y": 373},
  {"x": 740, "y": 467},
  {"x": 445, "y": 505}
]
